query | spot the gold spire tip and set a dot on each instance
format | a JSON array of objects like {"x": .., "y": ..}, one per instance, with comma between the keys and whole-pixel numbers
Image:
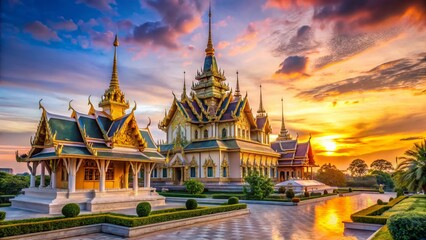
[{"x": 116, "y": 42}]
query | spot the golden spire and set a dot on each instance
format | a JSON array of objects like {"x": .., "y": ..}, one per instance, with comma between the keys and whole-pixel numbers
[
  {"x": 113, "y": 101},
  {"x": 261, "y": 110},
  {"x": 114, "y": 76},
  {"x": 184, "y": 87},
  {"x": 237, "y": 89},
  {"x": 284, "y": 135},
  {"x": 210, "y": 49}
]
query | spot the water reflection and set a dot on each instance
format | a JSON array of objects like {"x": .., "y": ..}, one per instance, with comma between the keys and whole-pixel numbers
[{"x": 330, "y": 214}]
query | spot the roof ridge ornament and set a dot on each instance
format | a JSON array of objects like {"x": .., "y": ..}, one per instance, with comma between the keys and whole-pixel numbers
[
  {"x": 284, "y": 134},
  {"x": 261, "y": 111},
  {"x": 40, "y": 106}
]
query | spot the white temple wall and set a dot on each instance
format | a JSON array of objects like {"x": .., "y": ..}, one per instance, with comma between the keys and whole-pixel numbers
[{"x": 234, "y": 165}]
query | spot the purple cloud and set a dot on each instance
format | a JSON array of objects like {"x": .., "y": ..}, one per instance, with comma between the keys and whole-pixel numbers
[
  {"x": 179, "y": 17},
  {"x": 65, "y": 25},
  {"x": 41, "y": 32},
  {"x": 293, "y": 65},
  {"x": 101, "y": 5}
]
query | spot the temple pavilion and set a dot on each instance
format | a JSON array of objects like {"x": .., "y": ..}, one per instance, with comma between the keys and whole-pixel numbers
[
  {"x": 101, "y": 160},
  {"x": 296, "y": 159},
  {"x": 212, "y": 134}
]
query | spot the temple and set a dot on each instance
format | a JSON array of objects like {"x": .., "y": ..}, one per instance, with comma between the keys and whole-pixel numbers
[
  {"x": 296, "y": 158},
  {"x": 212, "y": 134},
  {"x": 98, "y": 159}
]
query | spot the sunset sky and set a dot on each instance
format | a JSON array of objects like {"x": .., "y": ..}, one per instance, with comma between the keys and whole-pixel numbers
[{"x": 352, "y": 72}]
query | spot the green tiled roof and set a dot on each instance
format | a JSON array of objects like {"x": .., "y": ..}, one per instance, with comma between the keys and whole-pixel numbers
[
  {"x": 145, "y": 134},
  {"x": 43, "y": 155},
  {"x": 92, "y": 127},
  {"x": 166, "y": 147},
  {"x": 116, "y": 125},
  {"x": 205, "y": 144},
  {"x": 65, "y": 130},
  {"x": 122, "y": 155},
  {"x": 104, "y": 122},
  {"x": 153, "y": 154},
  {"x": 100, "y": 145},
  {"x": 75, "y": 150},
  {"x": 243, "y": 145}
]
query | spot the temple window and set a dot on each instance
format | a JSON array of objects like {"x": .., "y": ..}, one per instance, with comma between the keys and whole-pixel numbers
[
  {"x": 265, "y": 172},
  {"x": 206, "y": 133},
  {"x": 224, "y": 133},
  {"x": 247, "y": 133},
  {"x": 164, "y": 172},
  {"x": 224, "y": 172},
  {"x": 110, "y": 172},
  {"x": 272, "y": 172},
  {"x": 91, "y": 171},
  {"x": 239, "y": 132},
  {"x": 193, "y": 173},
  {"x": 244, "y": 133},
  {"x": 196, "y": 134},
  {"x": 209, "y": 171}
]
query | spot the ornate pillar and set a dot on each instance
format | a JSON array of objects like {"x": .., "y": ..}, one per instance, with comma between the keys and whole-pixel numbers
[
  {"x": 72, "y": 165},
  {"x": 126, "y": 174},
  {"x": 136, "y": 167},
  {"x": 33, "y": 172},
  {"x": 42, "y": 175}
]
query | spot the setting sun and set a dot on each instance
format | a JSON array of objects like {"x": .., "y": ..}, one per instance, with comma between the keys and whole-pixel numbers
[{"x": 329, "y": 145}]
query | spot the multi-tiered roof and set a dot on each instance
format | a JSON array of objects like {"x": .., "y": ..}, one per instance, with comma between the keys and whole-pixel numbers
[{"x": 107, "y": 134}]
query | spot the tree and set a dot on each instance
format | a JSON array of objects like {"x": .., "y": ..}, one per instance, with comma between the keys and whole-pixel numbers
[
  {"x": 412, "y": 171},
  {"x": 383, "y": 178},
  {"x": 358, "y": 167},
  {"x": 260, "y": 186},
  {"x": 330, "y": 175},
  {"x": 381, "y": 165},
  {"x": 13, "y": 184}
]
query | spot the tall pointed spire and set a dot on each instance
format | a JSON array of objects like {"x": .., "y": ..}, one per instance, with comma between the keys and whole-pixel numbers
[
  {"x": 261, "y": 111},
  {"x": 184, "y": 87},
  {"x": 113, "y": 101},
  {"x": 210, "y": 49},
  {"x": 284, "y": 135},
  {"x": 114, "y": 75},
  {"x": 237, "y": 89}
]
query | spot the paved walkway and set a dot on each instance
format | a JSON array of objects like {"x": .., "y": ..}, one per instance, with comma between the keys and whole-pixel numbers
[{"x": 322, "y": 220}]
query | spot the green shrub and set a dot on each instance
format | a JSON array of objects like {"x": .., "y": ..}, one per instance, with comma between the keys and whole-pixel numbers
[
  {"x": 2, "y": 215},
  {"x": 407, "y": 226},
  {"x": 281, "y": 190},
  {"x": 312, "y": 194},
  {"x": 143, "y": 209},
  {"x": 399, "y": 192},
  {"x": 390, "y": 199},
  {"x": 184, "y": 195},
  {"x": 350, "y": 189},
  {"x": 191, "y": 204},
  {"x": 289, "y": 193},
  {"x": 260, "y": 186},
  {"x": 379, "y": 201},
  {"x": 233, "y": 200},
  {"x": 335, "y": 191},
  {"x": 325, "y": 192},
  {"x": 71, "y": 210},
  {"x": 295, "y": 200},
  {"x": 306, "y": 194},
  {"x": 194, "y": 187}
]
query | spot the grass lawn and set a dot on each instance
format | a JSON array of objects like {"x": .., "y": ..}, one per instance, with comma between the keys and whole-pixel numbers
[{"x": 383, "y": 234}]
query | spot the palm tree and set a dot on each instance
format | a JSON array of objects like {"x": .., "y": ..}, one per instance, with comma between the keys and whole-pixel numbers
[{"x": 413, "y": 168}]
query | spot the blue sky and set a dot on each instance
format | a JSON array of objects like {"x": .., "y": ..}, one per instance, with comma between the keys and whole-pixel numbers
[{"x": 352, "y": 73}]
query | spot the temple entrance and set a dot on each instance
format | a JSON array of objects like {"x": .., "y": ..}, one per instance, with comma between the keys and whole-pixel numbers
[
  {"x": 282, "y": 176},
  {"x": 178, "y": 176}
]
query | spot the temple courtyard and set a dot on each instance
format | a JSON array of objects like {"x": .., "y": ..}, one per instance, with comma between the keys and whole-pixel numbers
[{"x": 320, "y": 220}]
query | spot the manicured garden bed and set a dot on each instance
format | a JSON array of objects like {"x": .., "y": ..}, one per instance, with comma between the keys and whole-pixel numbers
[
  {"x": 373, "y": 214},
  {"x": 19, "y": 227}
]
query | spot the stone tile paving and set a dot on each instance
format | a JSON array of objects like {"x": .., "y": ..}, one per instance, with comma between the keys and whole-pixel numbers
[{"x": 322, "y": 220}]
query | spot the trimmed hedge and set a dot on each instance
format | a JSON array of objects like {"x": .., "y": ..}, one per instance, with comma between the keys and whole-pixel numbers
[
  {"x": 2, "y": 215},
  {"x": 134, "y": 222},
  {"x": 71, "y": 210},
  {"x": 143, "y": 209},
  {"x": 184, "y": 195},
  {"x": 227, "y": 196},
  {"x": 372, "y": 213},
  {"x": 26, "y": 226},
  {"x": 5, "y": 204},
  {"x": 407, "y": 226},
  {"x": 233, "y": 200},
  {"x": 191, "y": 204},
  {"x": 6, "y": 198}
]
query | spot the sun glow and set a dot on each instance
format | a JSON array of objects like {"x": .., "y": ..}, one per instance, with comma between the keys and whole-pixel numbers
[{"x": 329, "y": 145}]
